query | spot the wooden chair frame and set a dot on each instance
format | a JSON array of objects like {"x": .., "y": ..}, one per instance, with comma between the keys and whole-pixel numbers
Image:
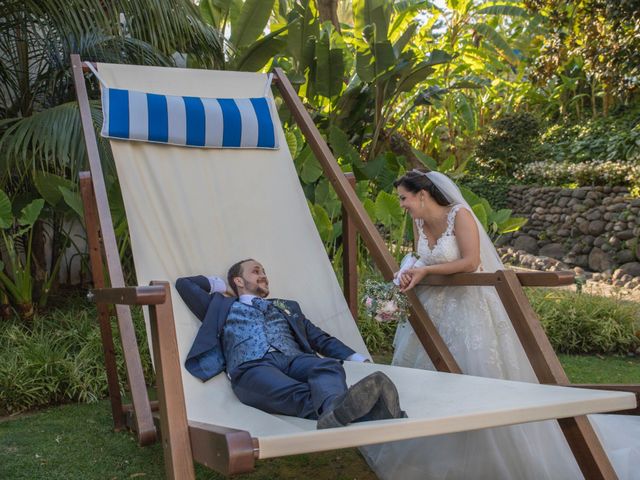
[{"x": 233, "y": 451}]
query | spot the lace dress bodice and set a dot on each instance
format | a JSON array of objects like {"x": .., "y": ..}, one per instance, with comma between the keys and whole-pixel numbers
[{"x": 445, "y": 248}]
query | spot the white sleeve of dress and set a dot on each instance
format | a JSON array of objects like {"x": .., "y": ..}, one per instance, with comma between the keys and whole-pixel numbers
[{"x": 419, "y": 263}]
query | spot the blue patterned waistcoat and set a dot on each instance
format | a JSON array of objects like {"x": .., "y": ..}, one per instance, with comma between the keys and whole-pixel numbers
[{"x": 249, "y": 334}]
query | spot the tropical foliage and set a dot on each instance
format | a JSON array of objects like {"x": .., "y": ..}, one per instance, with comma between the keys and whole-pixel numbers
[
  {"x": 41, "y": 145},
  {"x": 58, "y": 359},
  {"x": 581, "y": 323},
  {"x": 471, "y": 88},
  {"x": 589, "y": 54}
]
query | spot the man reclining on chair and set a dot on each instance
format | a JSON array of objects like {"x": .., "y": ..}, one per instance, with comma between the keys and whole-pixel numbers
[{"x": 269, "y": 348}]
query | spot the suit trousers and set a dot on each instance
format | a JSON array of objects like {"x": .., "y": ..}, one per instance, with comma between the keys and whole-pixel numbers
[{"x": 296, "y": 385}]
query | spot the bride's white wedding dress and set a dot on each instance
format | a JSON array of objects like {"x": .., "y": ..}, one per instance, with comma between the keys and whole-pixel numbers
[{"x": 479, "y": 334}]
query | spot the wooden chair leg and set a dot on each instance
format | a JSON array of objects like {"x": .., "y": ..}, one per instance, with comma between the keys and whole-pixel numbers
[
  {"x": 582, "y": 439},
  {"x": 586, "y": 446},
  {"x": 146, "y": 430},
  {"x": 176, "y": 443},
  {"x": 97, "y": 272}
]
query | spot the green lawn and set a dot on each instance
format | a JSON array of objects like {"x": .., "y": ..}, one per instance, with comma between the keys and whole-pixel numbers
[
  {"x": 600, "y": 369},
  {"x": 76, "y": 441}
]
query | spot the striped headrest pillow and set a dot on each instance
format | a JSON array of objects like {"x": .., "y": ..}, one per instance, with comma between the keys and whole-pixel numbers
[{"x": 188, "y": 121}]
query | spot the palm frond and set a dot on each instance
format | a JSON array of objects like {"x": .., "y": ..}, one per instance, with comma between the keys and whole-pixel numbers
[
  {"x": 169, "y": 26},
  {"x": 50, "y": 141}
]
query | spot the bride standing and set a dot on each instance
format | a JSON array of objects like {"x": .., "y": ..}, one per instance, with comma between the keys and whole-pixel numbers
[{"x": 479, "y": 334}]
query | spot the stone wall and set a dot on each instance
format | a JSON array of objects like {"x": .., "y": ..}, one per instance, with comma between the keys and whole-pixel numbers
[{"x": 595, "y": 228}]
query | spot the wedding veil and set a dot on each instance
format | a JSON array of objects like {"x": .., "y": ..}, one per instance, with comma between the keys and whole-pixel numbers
[{"x": 489, "y": 258}]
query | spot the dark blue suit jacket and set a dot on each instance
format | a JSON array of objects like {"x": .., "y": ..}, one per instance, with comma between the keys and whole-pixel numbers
[{"x": 206, "y": 358}]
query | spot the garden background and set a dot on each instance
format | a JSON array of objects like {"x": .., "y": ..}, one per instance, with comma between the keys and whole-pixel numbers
[{"x": 503, "y": 96}]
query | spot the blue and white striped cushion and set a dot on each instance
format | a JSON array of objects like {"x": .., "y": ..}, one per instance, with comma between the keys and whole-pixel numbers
[{"x": 188, "y": 121}]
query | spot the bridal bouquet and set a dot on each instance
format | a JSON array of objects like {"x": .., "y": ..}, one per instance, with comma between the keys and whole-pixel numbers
[{"x": 384, "y": 302}]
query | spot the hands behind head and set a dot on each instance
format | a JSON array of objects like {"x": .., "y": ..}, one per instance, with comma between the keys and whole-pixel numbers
[{"x": 411, "y": 277}]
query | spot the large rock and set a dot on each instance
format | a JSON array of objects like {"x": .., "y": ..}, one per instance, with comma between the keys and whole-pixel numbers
[
  {"x": 625, "y": 235},
  {"x": 599, "y": 261},
  {"x": 593, "y": 195},
  {"x": 553, "y": 250},
  {"x": 526, "y": 243},
  {"x": 582, "y": 261},
  {"x": 616, "y": 207},
  {"x": 594, "y": 215},
  {"x": 503, "y": 240},
  {"x": 584, "y": 226},
  {"x": 631, "y": 268},
  {"x": 580, "y": 193},
  {"x": 596, "y": 227},
  {"x": 625, "y": 256}
]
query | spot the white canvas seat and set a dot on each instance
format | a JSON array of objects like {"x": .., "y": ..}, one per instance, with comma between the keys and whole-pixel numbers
[{"x": 196, "y": 211}]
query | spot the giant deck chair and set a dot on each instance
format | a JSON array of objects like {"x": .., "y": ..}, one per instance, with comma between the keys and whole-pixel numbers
[{"x": 196, "y": 211}]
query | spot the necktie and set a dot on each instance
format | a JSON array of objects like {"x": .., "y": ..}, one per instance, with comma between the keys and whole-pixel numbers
[{"x": 261, "y": 304}]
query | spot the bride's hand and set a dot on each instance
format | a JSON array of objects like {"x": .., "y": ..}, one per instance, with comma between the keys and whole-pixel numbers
[
  {"x": 405, "y": 279},
  {"x": 412, "y": 277}
]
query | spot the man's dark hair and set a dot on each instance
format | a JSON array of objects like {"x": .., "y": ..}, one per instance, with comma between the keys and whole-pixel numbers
[
  {"x": 236, "y": 271},
  {"x": 414, "y": 181}
]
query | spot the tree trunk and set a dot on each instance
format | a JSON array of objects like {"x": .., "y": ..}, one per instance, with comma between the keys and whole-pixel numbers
[
  {"x": 26, "y": 106},
  {"x": 606, "y": 101},
  {"x": 400, "y": 146},
  {"x": 39, "y": 259},
  {"x": 25, "y": 312},
  {"x": 328, "y": 10}
]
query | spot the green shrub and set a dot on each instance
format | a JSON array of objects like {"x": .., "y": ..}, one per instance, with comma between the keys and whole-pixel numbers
[
  {"x": 614, "y": 138},
  {"x": 551, "y": 173},
  {"x": 494, "y": 188},
  {"x": 377, "y": 336},
  {"x": 581, "y": 323},
  {"x": 574, "y": 322},
  {"x": 509, "y": 141},
  {"x": 58, "y": 359}
]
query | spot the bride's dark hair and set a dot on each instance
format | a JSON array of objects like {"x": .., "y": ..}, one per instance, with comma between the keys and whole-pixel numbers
[{"x": 415, "y": 180}]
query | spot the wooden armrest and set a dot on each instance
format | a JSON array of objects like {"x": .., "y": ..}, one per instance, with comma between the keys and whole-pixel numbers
[
  {"x": 527, "y": 279},
  {"x": 546, "y": 279},
  {"x": 147, "y": 295},
  {"x": 224, "y": 449}
]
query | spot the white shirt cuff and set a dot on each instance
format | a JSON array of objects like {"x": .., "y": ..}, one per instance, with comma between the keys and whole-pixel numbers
[
  {"x": 217, "y": 284},
  {"x": 357, "y": 357}
]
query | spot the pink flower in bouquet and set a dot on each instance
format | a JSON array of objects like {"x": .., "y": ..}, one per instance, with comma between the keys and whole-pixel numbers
[
  {"x": 387, "y": 311},
  {"x": 368, "y": 302}
]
